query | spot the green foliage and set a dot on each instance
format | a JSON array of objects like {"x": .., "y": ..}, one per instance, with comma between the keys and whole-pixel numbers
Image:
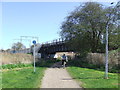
[
  {"x": 118, "y": 49},
  {"x": 12, "y": 66},
  {"x": 18, "y": 46},
  {"x": 114, "y": 41},
  {"x": 45, "y": 63},
  {"x": 91, "y": 78},
  {"x": 42, "y": 63},
  {"x": 114, "y": 51},
  {"x": 82, "y": 63},
  {"x": 58, "y": 59},
  {"x": 85, "y": 26}
]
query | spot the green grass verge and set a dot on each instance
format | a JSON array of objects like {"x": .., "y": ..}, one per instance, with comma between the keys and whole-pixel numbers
[
  {"x": 0, "y": 80},
  {"x": 91, "y": 78},
  {"x": 24, "y": 78},
  {"x": 12, "y": 66}
]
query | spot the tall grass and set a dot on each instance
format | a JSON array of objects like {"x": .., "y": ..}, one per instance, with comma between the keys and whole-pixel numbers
[
  {"x": 97, "y": 61},
  {"x": 84, "y": 64},
  {"x": 9, "y": 58}
]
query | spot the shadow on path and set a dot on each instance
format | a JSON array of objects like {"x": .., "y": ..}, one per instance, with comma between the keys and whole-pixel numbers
[{"x": 57, "y": 65}]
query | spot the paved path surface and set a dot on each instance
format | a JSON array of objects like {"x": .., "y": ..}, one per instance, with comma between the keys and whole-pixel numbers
[{"x": 57, "y": 77}]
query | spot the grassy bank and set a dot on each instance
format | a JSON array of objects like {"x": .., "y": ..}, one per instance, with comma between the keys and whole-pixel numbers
[
  {"x": 91, "y": 78},
  {"x": 24, "y": 77}
]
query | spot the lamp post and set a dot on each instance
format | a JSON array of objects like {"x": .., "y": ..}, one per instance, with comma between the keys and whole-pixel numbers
[{"x": 106, "y": 56}]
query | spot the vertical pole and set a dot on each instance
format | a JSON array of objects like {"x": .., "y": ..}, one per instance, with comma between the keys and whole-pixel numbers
[
  {"x": 106, "y": 57},
  {"x": 14, "y": 48},
  {"x": 34, "y": 57},
  {"x": 21, "y": 39},
  {"x": 37, "y": 39},
  {"x": 30, "y": 46}
]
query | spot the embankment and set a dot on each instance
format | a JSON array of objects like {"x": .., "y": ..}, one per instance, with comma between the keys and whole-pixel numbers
[{"x": 9, "y": 58}]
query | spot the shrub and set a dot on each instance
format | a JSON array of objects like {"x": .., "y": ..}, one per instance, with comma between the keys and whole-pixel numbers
[{"x": 11, "y": 66}]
